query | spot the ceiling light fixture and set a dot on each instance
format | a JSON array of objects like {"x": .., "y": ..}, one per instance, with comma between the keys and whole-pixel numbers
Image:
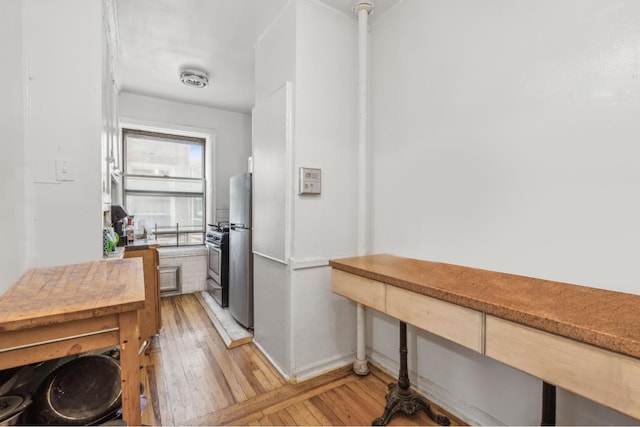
[{"x": 194, "y": 78}]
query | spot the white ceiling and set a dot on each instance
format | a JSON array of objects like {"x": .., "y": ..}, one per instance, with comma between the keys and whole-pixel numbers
[{"x": 156, "y": 39}]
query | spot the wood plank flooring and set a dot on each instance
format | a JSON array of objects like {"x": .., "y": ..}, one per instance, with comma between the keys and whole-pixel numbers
[{"x": 191, "y": 378}]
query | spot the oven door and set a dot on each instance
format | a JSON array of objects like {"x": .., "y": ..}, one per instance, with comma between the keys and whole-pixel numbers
[{"x": 214, "y": 265}]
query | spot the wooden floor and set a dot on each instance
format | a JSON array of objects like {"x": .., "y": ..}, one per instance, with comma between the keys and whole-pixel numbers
[{"x": 191, "y": 378}]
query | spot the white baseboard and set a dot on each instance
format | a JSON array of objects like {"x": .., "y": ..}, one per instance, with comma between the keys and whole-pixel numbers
[
  {"x": 439, "y": 396},
  {"x": 309, "y": 371},
  {"x": 324, "y": 366},
  {"x": 273, "y": 362}
]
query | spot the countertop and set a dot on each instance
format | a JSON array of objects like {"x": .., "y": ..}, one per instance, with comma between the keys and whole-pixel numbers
[
  {"x": 136, "y": 245},
  {"x": 117, "y": 253},
  {"x": 140, "y": 244},
  {"x": 603, "y": 318},
  {"x": 48, "y": 296}
]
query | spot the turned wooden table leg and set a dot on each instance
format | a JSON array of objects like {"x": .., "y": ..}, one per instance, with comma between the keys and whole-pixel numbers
[
  {"x": 400, "y": 396},
  {"x": 548, "y": 405}
]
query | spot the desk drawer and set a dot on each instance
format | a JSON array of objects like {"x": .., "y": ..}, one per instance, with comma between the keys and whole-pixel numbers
[
  {"x": 370, "y": 293},
  {"x": 458, "y": 324},
  {"x": 601, "y": 375}
]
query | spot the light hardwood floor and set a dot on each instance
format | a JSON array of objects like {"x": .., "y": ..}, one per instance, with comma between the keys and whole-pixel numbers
[{"x": 191, "y": 378}]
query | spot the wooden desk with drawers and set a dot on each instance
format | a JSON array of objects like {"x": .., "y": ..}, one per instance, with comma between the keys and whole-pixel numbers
[{"x": 582, "y": 339}]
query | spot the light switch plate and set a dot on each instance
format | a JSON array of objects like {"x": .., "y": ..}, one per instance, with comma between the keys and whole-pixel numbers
[
  {"x": 64, "y": 171},
  {"x": 310, "y": 181}
]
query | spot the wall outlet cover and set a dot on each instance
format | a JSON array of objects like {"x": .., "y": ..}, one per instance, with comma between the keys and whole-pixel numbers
[{"x": 64, "y": 170}]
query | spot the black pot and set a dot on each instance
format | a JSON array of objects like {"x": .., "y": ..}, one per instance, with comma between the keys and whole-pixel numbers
[
  {"x": 11, "y": 409},
  {"x": 83, "y": 391}
]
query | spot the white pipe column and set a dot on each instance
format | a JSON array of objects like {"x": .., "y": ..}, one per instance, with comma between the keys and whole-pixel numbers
[{"x": 363, "y": 9}]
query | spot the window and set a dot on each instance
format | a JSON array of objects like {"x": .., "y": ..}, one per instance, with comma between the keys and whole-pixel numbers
[{"x": 164, "y": 185}]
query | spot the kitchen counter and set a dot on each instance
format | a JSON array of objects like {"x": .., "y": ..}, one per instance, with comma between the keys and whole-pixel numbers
[
  {"x": 141, "y": 244},
  {"x": 136, "y": 245},
  {"x": 117, "y": 253}
]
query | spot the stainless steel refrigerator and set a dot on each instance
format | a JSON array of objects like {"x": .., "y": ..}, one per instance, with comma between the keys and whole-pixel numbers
[{"x": 240, "y": 251}]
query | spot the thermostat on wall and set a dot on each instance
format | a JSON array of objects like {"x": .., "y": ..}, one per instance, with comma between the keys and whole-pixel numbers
[{"x": 309, "y": 181}]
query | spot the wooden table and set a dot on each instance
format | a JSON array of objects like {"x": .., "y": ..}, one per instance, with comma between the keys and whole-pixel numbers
[
  {"x": 583, "y": 339},
  {"x": 59, "y": 311}
]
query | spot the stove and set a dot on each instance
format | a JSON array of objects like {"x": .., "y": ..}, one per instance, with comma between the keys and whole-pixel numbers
[
  {"x": 217, "y": 243},
  {"x": 215, "y": 237},
  {"x": 217, "y": 232}
]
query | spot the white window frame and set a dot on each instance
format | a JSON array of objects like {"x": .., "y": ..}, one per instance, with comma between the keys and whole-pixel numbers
[{"x": 209, "y": 136}]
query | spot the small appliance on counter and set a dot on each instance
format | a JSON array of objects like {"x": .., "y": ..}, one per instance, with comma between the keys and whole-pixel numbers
[{"x": 118, "y": 218}]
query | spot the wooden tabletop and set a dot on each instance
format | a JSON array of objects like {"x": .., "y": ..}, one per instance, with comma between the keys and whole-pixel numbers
[
  {"x": 607, "y": 319},
  {"x": 47, "y": 296}
]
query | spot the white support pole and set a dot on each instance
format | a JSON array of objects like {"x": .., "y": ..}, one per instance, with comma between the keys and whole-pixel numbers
[
  {"x": 362, "y": 9},
  {"x": 360, "y": 366}
]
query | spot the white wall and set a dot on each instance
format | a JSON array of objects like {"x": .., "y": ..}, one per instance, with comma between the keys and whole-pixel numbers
[
  {"x": 63, "y": 58},
  {"x": 505, "y": 137},
  {"x": 272, "y": 311},
  {"x": 299, "y": 323},
  {"x": 324, "y": 226},
  {"x": 274, "y": 65},
  {"x": 232, "y": 133},
  {"x": 12, "y": 174},
  {"x": 326, "y": 130}
]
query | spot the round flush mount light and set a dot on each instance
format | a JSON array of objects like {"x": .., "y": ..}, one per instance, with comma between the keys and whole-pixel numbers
[{"x": 193, "y": 78}]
